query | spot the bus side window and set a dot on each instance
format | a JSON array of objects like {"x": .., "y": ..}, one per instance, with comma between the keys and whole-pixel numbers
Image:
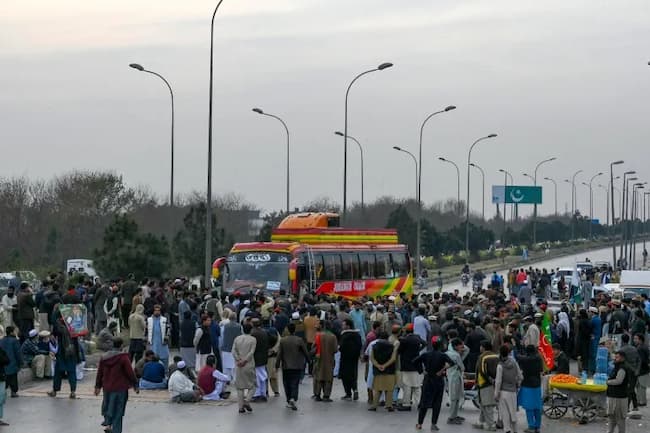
[
  {"x": 319, "y": 268},
  {"x": 333, "y": 267},
  {"x": 350, "y": 266},
  {"x": 384, "y": 267},
  {"x": 400, "y": 264},
  {"x": 367, "y": 266}
]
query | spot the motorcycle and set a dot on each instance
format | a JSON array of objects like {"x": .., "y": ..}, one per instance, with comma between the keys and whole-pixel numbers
[
  {"x": 464, "y": 279},
  {"x": 477, "y": 284}
]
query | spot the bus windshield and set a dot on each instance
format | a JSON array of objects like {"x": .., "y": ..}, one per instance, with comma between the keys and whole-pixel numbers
[{"x": 258, "y": 270}]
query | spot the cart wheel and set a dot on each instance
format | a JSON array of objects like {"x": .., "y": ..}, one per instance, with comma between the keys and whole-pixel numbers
[
  {"x": 585, "y": 409},
  {"x": 555, "y": 406}
]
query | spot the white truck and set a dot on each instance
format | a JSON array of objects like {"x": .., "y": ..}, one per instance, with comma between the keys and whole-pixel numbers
[
  {"x": 82, "y": 266},
  {"x": 632, "y": 284}
]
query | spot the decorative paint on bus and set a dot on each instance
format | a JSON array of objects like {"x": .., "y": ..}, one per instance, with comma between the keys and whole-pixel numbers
[
  {"x": 316, "y": 236},
  {"x": 371, "y": 288}
]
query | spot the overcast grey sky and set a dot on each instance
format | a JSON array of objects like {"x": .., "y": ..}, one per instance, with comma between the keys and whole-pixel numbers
[{"x": 554, "y": 78}]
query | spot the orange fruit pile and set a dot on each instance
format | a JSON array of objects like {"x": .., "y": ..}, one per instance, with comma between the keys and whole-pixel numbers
[{"x": 564, "y": 378}]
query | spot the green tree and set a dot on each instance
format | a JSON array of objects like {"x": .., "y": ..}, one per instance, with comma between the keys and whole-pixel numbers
[
  {"x": 189, "y": 242},
  {"x": 401, "y": 220},
  {"x": 125, "y": 251}
]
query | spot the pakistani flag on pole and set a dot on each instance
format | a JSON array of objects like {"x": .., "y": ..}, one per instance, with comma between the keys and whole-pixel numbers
[{"x": 545, "y": 343}]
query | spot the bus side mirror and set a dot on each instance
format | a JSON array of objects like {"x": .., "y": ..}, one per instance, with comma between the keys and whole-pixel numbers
[{"x": 216, "y": 267}]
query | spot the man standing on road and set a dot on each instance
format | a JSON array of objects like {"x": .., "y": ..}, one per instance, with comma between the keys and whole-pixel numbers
[
  {"x": 325, "y": 346},
  {"x": 486, "y": 373},
  {"x": 292, "y": 357},
  {"x": 243, "y": 352},
  {"x": 457, "y": 353},
  {"x": 421, "y": 325},
  {"x": 617, "y": 393},
  {"x": 350, "y": 346},
  {"x": 115, "y": 375},
  {"x": 26, "y": 305},
  {"x": 261, "y": 359}
]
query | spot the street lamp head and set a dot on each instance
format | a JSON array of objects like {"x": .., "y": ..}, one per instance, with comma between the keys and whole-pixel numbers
[
  {"x": 630, "y": 172},
  {"x": 442, "y": 159},
  {"x": 630, "y": 179},
  {"x": 451, "y": 107},
  {"x": 258, "y": 110},
  {"x": 501, "y": 170},
  {"x": 526, "y": 174},
  {"x": 339, "y": 133},
  {"x": 136, "y": 66},
  {"x": 600, "y": 174},
  {"x": 384, "y": 66},
  {"x": 491, "y": 136},
  {"x": 471, "y": 164},
  {"x": 547, "y": 178},
  {"x": 620, "y": 161},
  {"x": 584, "y": 183},
  {"x": 567, "y": 180},
  {"x": 397, "y": 148}
]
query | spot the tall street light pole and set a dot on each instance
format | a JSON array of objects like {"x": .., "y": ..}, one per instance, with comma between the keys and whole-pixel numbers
[
  {"x": 622, "y": 220},
  {"x": 591, "y": 203},
  {"x": 505, "y": 186},
  {"x": 575, "y": 202},
  {"x": 604, "y": 188},
  {"x": 611, "y": 192},
  {"x": 171, "y": 93},
  {"x": 457, "y": 181},
  {"x": 626, "y": 198},
  {"x": 208, "y": 210},
  {"x": 555, "y": 192},
  {"x": 645, "y": 219},
  {"x": 483, "y": 184},
  {"x": 529, "y": 177},
  {"x": 512, "y": 182},
  {"x": 635, "y": 204},
  {"x": 469, "y": 159},
  {"x": 260, "y": 111},
  {"x": 361, "y": 153},
  {"x": 535, "y": 205},
  {"x": 419, "y": 175},
  {"x": 415, "y": 161},
  {"x": 417, "y": 199},
  {"x": 345, "y": 133}
]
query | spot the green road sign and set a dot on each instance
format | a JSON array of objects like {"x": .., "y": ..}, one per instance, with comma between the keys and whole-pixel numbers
[{"x": 517, "y": 194}]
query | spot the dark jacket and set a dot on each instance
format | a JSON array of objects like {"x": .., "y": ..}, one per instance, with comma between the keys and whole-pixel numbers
[
  {"x": 115, "y": 373},
  {"x": 620, "y": 390},
  {"x": 11, "y": 346},
  {"x": 188, "y": 329},
  {"x": 409, "y": 349},
  {"x": 26, "y": 305},
  {"x": 382, "y": 351},
  {"x": 292, "y": 353},
  {"x": 4, "y": 361},
  {"x": 261, "y": 355},
  {"x": 350, "y": 346},
  {"x": 531, "y": 368},
  {"x": 561, "y": 364},
  {"x": 486, "y": 369}
]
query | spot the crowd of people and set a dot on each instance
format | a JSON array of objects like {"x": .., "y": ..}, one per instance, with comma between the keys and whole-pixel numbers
[{"x": 204, "y": 345}]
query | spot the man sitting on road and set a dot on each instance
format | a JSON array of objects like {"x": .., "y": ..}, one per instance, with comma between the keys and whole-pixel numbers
[
  {"x": 153, "y": 374},
  {"x": 105, "y": 337},
  {"x": 35, "y": 358},
  {"x": 181, "y": 389},
  {"x": 211, "y": 381}
]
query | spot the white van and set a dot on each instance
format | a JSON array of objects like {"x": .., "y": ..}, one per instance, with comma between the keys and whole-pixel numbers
[
  {"x": 633, "y": 283},
  {"x": 82, "y": 266}
]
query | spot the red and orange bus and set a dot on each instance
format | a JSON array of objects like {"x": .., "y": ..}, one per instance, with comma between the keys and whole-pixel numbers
[{"x": 308, "y": 253}]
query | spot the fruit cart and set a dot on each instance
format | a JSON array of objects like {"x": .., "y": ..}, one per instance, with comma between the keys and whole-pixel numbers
[{"x": 586, "y": 400}]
